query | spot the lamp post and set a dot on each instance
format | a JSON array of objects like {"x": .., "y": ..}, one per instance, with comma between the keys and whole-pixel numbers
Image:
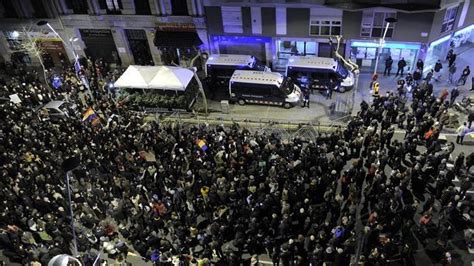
[
  {"x": 68, "y": 165},
  {"x": 69, "y": 46},
  {"x": 382, "y": 41}
]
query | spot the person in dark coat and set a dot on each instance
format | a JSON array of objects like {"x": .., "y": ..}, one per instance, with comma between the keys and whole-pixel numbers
[
  {"x": 388, "y": 66},
  {"x": 401, "y": 66}
]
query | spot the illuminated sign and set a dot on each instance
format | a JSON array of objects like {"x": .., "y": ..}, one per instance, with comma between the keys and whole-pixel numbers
[
  {"x": 391, "y": 45},
  {"x": 188, "y": 27},
  {"x": 240, "y": 39},
  {"x": 465, "y": 30}
]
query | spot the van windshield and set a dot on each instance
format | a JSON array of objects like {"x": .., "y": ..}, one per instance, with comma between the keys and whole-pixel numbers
[
  {"x": 341, "y": 70},
  {"x": 287, "y": 86}
]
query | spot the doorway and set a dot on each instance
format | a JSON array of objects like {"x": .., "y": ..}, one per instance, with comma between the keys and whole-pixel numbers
[{"x": 139, "y": 46}]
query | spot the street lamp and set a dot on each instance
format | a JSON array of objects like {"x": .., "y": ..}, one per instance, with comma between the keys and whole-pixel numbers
[
  {"x": 69, "y": 165},
  {"x": 71, "y": 48},
  {"x": 382, "y": 41}
]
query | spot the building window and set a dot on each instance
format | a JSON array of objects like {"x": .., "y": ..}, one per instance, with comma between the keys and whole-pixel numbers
[
  {"x": 288, "y": 48},
  {"x": 142, "y": 7},
  {"x": 8, "y": 9},
  {"x": 232, "y": 19},
  {"x": 113, "y": 7},
  {"x": 179, "y": 8},
  {"x": 324, "y": 27},
  {"x": 373, "y": 24},
  {"x": 449, "y": 18},
  {"x": 38, "y": 9},
  {"x": 78, "y": 6}
]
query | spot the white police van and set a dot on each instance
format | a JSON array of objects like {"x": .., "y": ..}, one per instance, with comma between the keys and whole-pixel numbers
[
  {"x": 316, "y": 72},
  {"x": 220, "y": 67},
  {"x": 261, "y": 87}
]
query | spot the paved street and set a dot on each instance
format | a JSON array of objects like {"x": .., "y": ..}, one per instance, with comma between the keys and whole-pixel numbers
[{"x": 319, "y": 111}]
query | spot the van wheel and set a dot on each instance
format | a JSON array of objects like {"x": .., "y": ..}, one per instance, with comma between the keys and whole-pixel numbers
[
  {"x": 287, "y": 105},
  {"x": 241, "y": 101}
]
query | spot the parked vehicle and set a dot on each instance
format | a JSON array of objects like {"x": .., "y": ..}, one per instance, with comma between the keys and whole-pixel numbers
[
  {"x": 57, "y": 110},
  {"x": 220, "y": 68},
  {"x": 260, "y": 87},
  {"x": 317, "y": 72}
]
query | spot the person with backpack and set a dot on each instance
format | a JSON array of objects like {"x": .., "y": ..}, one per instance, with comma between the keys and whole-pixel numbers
[
  {"x": 401, "y": 66},
  {"x": 465, "y": 73}
]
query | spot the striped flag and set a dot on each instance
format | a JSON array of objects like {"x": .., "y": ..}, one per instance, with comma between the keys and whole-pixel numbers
[
  {"x": 91, "y": 116},
  {"x": 202, "y": 144}
]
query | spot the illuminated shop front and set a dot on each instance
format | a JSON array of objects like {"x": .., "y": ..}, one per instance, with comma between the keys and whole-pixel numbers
[
  {"x": 364, "y": 54},
  {"x": 51, "y": 47},
  {"x": 260, "y": 47},
  {"x": 460, "y": 41},
  {"x": 437, "y": 49},
  {"x": 463, "y": 39}
]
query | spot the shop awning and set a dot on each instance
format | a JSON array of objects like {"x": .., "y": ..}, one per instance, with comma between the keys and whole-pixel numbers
[{"x": 177, "y": 39}]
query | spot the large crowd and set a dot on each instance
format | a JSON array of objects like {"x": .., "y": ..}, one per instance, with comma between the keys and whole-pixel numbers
[{"x": 201, "y": 195}]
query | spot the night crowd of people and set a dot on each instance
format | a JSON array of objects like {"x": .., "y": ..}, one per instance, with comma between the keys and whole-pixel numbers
[{"x": 202, "y": 195}]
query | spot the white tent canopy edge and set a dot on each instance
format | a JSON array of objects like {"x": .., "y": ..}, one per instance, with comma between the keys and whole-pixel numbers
[{"x": 155, "y": 77}]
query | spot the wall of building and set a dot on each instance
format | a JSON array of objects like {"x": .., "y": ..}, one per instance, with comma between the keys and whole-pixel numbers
[
  {"x": 351, "y": 24},
  {"x": 410, "y": 26},
  {"x": 297, "y": 21},
  {"x": 469, "y": 19},
  {"x": 268, "y": 21},
  {"x": 68, "y": 24},
  {"x": 214, "y": 19}
]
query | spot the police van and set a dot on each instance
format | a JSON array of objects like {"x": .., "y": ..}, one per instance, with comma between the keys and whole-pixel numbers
[
  {"x": 220, "y": 67},
  {"x": 261, "y": 87},
  {"x": 317, "y": 72}
]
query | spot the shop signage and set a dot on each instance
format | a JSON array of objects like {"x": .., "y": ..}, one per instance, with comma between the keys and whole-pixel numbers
[
  {"x": 244, "y": 39},
  {"x": 188, "y": 27},
  {"x": 50, "y": 45},
  {"x": 95, "y": 33}
]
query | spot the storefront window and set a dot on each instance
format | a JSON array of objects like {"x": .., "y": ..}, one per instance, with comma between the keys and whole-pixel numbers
[
  {"x": 289, "y": 48},
  {"x": 463, "y": 38},
  {"x": 365, "y": 54}
]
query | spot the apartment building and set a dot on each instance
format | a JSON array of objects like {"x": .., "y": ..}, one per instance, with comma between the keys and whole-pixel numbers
[
  {"x": 120, "y": 31},
  {"x": 161, "y": 31},
  {"x": 274, "y": 30}
]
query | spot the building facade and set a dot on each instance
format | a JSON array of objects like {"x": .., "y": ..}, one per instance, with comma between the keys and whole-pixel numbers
[
  {"x": 274, "y": 30},
  {"x": 120, "y": 31},
  {"x": 149, "y": 31}
]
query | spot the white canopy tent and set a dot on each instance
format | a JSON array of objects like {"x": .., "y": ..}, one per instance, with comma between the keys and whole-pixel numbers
[{"x": 155, "y": 77}]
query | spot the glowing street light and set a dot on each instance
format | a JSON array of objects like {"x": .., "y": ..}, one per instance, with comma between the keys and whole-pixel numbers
[
  {"x": 70, "y": 47},
  {"x": 382, "y": 41}
]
